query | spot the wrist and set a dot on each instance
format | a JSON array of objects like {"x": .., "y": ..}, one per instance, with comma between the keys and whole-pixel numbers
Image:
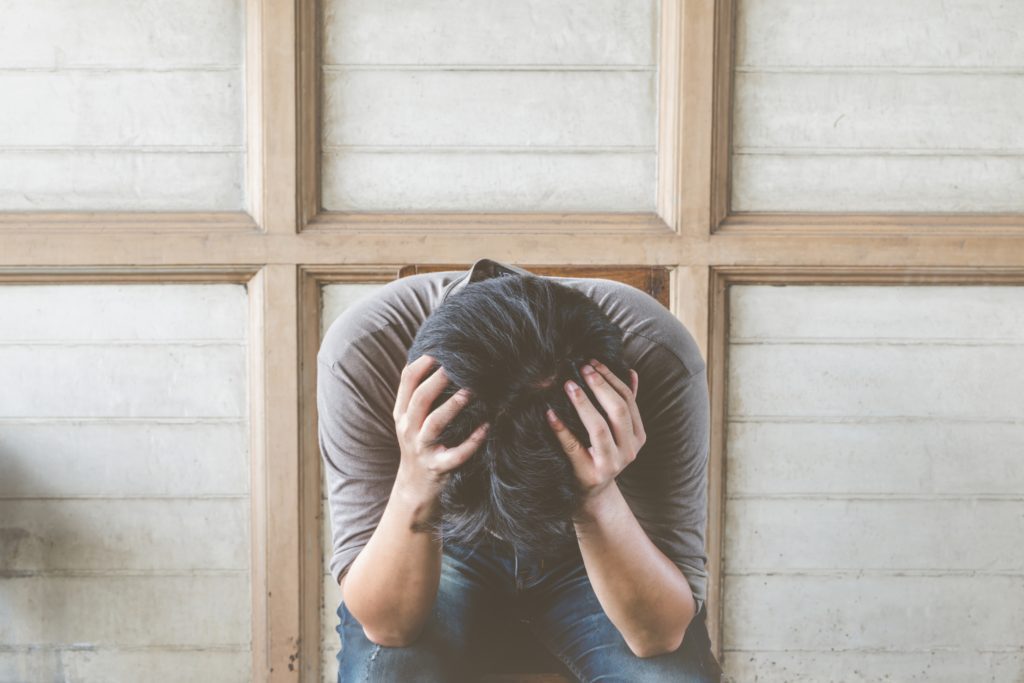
[
  {"x": 597, "y": 505},
  {"x": 419, "y": 499}
]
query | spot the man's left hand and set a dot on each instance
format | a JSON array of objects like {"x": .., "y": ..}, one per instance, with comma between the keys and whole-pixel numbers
[{"x": 613, "y": 446}]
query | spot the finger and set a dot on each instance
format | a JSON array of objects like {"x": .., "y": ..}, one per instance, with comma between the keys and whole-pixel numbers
[
  {"x": 423, "y": 397},
  {"x": 437, "y": 420},
  {"x": 451, "y": 458},
  {"x": 614, "y": 403},
  {"x": 627, "y": 393},
  {"x": 580, "y": 458},
  {"x": 412, "y": 374},
  {"x": 601, "y": 436}
]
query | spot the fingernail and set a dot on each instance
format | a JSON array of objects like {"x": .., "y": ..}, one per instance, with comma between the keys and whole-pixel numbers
[
  {"x": 551, "y": 415},
  {"x": 571, "y": 386},
  {"x": 587, "y": 370},
  {"x": 595, "y": 362}
]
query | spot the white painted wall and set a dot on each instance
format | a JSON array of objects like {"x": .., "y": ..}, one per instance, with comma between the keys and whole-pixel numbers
[
  {"x": 335, "y": 299},
  {"x": 875, "y": 105},
  {"x": 875, "y": 470},
  {"x": 541, "y": 105},
  {"x": 124, "y": 483},
  {"x": 121, "y": 106}
]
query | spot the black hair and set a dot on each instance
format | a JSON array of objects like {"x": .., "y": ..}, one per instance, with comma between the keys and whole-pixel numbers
[{"x": 513, "y": 341}]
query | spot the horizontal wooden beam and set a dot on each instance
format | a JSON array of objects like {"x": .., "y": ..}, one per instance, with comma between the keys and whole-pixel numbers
[
  {"x": 49, "y": 249},
  {"x": 487, "y": 223},
  {"x": 13, "y": 223},
  {"x": 872, "y": 224}
]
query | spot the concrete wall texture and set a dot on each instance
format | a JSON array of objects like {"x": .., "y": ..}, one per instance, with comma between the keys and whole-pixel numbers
[
  {"x": 122, "y": 106},
  {"x": 875, "y": 464},
  {"x": 537, "y": 105},
  {"x": 915, "y": 105},
  {"x": 124, "y": 483}
]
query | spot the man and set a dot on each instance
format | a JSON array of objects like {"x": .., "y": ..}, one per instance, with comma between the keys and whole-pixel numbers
[{"x": 503, "y": 446}]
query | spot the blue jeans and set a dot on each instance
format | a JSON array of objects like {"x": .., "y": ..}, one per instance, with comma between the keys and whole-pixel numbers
[{"x": 552, "y": 596}]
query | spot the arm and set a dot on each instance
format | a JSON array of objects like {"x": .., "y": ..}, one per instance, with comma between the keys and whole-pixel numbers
[
  {"x": 641, "y": 590},
  {"x": 391, "y": 585}
]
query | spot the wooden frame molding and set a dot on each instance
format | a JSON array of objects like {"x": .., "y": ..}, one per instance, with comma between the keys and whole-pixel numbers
[
  {"x": 276, "y": 523},
  {"x": 311, "y": 280},
  {"x": 273, "y": 568},
  {"x": 684, "y": 89}
]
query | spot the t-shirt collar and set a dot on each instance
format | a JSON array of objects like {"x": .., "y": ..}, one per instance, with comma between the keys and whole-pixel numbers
[{"x": 483, "y": 269}]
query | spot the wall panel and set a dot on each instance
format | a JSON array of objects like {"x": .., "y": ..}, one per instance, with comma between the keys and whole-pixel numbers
[
  {"x": 877, "y": 106},
  {"x": 491, "y": 106},
  {"x": 149, "y": 118},
  {"x": 875, "y": 444},
  {"x": 124, "y": 483}
]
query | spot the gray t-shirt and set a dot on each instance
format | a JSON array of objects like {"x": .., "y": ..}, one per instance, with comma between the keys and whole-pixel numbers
[{"x": 359, "y": 368}]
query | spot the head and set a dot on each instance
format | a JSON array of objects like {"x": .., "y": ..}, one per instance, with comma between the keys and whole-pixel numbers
[{"x": 513, "y": 341}]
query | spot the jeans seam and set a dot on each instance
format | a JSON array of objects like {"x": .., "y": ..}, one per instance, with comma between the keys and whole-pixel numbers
[{"x": 570, "y": 667}]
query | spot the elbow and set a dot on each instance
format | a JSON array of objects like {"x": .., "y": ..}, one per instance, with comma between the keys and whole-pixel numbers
[
  {"x": 662, "y": 644},
  {"x": 386, "y": 632},
  {"x": 391, "y": 638},
  {"x": 645, "y": 650}
]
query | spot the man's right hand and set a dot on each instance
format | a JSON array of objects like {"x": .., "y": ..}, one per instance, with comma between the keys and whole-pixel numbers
[{"x": 425, "y": 467}]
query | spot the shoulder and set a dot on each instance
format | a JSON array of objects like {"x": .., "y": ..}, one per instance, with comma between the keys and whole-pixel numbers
[
  {"x": 648, "y": 327},
  {"x": 386, "y": 314}
]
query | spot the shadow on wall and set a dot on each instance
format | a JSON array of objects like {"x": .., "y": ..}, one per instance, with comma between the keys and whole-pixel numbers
[{"x": 33, "y": 534}]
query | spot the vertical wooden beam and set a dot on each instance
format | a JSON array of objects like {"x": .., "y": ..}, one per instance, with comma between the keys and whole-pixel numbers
[
  {"x": 308, "y": 103},
  {"x": 670, "y": 37},
  {"x": 689, "y": 302},
  {"x": 695, "y": 125},
  {"x": 718, "y": 368},
  {"x": 310, "y": 486},
  {"x": 721, "y": 135},
  {"x": 254, "y": 109},
  {"x": 271, "y": 132},
  {"x": 274, "y": 457}
]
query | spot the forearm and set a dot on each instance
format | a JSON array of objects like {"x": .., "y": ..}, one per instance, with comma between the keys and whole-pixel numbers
[
  {"x": 644, "y": 593},
  {"x": 392, "y": 584}
]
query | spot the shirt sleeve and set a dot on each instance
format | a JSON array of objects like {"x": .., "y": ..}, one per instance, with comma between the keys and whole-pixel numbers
[
  {"x": 356, "y": 389},
  {"x": 666, "y": 486}
]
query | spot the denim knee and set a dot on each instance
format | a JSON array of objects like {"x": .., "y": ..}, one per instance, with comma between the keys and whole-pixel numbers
[{"x": 430, "y": 659}]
